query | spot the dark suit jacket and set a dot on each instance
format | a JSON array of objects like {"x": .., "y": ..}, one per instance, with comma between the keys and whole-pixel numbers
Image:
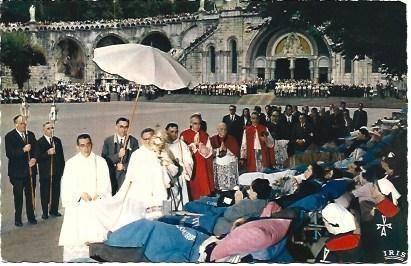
[
  {"x": 278, "y": 131},
  {"x": 349, "y": 128},
  {"x": 18, "y": 160},
  {"x": 44, "y": 160},
  {"x": 360, "y": 119},
  {"x": 227, "y": 120},
  {"x": 303, "y": 133},
  {"x": 111, "y": 149},
  {"x": 288, "y": 127}
]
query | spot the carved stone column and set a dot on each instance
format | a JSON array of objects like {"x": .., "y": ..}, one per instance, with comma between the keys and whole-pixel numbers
[
  {"x": 311, "y": 66},
  {"x": 204, "y": 71},
  {"x": 292, "y": 67},
  {"x": 226, "y": 57}
]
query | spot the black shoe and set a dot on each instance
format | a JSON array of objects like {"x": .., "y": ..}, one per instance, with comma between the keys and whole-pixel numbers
[
  {"x": 56, "y": 214},
  {"x": 18, "y": 224},
  {"x": 44, "y": 216},
  {"x": 33, "y": 221}
]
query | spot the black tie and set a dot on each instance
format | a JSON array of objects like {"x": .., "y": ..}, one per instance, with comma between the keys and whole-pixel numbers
[
  {"x": 23, "y": 135},
  {"x": 121, "y": 143}
]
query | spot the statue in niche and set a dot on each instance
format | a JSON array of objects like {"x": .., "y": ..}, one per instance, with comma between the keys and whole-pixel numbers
[
  {"x": 292, "y": 45},
  {"x": 201, "y": 9},
  {"x": 32, "y": 11}
]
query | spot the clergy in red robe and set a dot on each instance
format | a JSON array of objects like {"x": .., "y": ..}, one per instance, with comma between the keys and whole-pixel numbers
[
  {"x": 227, "y": 152},
  {"x": 257, "y": 146},
  {"x": 202, "y": 181}
]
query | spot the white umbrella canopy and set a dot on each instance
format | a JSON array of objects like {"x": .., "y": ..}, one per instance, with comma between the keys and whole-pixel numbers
[{"x": 145, "y": 65}]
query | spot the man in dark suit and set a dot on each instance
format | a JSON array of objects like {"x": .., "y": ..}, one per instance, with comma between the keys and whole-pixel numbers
[
  {"x": 232, "y": 120},
  {"x": 360, "y": 118},
  {"x": 276, "y": 126},
  {"x": 117, "y": 150},
  {"x": 21, "y": 150},
  {"x": 262, "y": 118},
  {"x": 289, "y": 121},
  {"x": 302, "y": 134},
  {"x": 51, "y": 165}
]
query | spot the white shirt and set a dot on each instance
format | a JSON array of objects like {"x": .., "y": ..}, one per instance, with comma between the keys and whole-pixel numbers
[{"x": 48, "y": 139}]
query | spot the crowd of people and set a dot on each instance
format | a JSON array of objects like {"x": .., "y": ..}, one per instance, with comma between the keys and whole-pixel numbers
[
  {"x": 67, "y": 92},
  {"x": 308, "y": 88},
  {"x": 121, "y": 22},
  {"x": 226, "y": 88},
  {"x": 209, "y": 194},
  {"x": 88, "y": 92}
]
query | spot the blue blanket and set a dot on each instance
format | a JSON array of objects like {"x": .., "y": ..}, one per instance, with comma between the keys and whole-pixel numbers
[
  {"x": 202, "y": 223},
  {"x": 204, "y": 205},
  {"x": 162, "y": 242}
]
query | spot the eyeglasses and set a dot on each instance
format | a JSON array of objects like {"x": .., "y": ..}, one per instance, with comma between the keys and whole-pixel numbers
[{"x": 48, "y": 128}]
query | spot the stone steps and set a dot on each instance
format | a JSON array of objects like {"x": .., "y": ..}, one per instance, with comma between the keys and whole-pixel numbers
[
  {"x": 268, "y": 98},
  {"x": 257, "y": 99}
]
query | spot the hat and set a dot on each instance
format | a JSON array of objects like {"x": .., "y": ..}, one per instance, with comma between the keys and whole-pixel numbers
[
  {"x": 364, "y": 128},
  {"x": 387, "y": 188},
  {"x": 337, "y": 219}
]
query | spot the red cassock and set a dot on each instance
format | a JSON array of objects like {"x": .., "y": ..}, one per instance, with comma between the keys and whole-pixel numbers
[
  {"x": 202, "y": 180},
  {"x": 267, "y": 154}
]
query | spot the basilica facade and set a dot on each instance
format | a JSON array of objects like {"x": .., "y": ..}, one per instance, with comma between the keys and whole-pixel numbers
[{"x": 229, "y": 44}]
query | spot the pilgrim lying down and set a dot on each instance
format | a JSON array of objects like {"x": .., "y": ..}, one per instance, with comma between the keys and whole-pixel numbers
[{"x": 313, "y": 221}]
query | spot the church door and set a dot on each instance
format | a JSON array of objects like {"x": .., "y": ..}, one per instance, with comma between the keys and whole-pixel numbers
[
  {"x": 282, "y": 69},
  {"x": 301, "y": 70}
]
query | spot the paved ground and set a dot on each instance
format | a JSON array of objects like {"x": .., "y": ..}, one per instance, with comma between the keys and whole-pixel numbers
[{"x": 36, "y": 243}]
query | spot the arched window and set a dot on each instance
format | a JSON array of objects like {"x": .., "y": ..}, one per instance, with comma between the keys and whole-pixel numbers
[
  {"x": 212, "y": 59},
  {"x": 233, "y": 46}
]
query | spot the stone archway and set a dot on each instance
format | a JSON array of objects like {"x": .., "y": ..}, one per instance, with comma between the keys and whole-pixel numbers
[
  {"x": 109, "y": 40},
  {"x": 70, "y": 59},
  {"x": 157, "y": 40}
]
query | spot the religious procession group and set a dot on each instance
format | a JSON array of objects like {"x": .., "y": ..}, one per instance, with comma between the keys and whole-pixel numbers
[
  {"x": 307, "y": 88},
  {"x": 265, "y": 188},
  {"x": 230, "y": 89}
]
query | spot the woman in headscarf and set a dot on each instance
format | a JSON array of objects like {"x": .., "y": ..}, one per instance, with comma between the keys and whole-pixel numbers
[{"x": 343, "y": 245}]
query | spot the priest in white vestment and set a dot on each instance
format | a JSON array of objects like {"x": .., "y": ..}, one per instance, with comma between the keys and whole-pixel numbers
[
  {"x": 182, "y": 154},
  {"x": 143, "y": 192},
  {"x": 86, "y": 179}
]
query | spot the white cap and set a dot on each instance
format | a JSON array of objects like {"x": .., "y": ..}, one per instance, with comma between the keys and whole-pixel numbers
[
  {"x": 337, "y": 219},
  {"x": 364, "y": 127},
  {"x": 387, "y": 188}
]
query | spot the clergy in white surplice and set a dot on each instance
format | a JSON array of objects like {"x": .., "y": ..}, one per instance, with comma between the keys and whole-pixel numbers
[
  {"x": 182, "y": 154},
  {"x": 85, "y": 180}
]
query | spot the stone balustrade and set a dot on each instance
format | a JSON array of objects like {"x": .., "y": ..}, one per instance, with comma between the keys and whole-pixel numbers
[{"x": 101, "y": 24}]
